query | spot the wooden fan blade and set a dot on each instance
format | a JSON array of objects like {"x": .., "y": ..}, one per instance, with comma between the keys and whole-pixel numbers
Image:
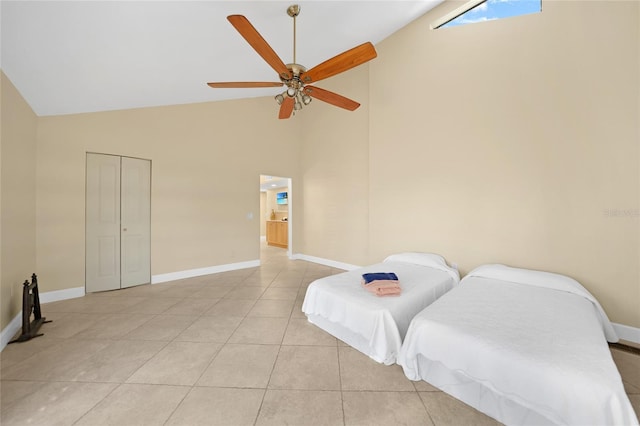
[
  {"x": 243, "y": 84},
  {"x": 331, "y": 98},
  {"x": 286, "y": 108},
  {"x": 253, "y": 37},
  {"x": 344, "y": 61}
]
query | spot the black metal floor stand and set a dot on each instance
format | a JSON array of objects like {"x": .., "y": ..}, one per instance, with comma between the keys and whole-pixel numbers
[{"x": 30, "y": 303}]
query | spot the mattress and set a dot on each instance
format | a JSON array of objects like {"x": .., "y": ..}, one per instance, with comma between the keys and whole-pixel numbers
[
  {"x": 524, "y": 347},
  {"x": 371, "y": 324}
]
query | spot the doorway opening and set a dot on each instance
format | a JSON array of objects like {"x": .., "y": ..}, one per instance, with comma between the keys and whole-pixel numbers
[{"x": 276, "y": 212}]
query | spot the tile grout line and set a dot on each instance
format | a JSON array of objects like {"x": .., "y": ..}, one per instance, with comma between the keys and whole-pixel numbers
[
  {"x": 344, "y": 417},
  {"x": 273, "y": 367}
]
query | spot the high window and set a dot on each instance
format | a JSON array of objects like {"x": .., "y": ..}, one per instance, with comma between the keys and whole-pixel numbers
[{"x": 487, "y": 10}]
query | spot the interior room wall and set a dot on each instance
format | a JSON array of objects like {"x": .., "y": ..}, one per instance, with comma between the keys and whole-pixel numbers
[
  {"x": 335, "y": 168},
  {"x": 513, "y": 141},
  {"x": 204, "y": 197},
  {"x": 18, "y": 130}
]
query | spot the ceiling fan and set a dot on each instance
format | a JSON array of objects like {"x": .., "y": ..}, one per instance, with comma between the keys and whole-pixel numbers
[{"x": 294, "y": 76}]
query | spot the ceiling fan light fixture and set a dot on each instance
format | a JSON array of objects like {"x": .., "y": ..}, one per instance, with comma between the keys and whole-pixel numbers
[
  {"x": 291, "y": 92},
  {"x": 306, "y": 99},
  {"x": 279, "y": 98},
  {"x": 297, "y": 106}
]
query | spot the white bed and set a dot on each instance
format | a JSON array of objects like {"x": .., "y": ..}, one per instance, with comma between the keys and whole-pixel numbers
[
  {"x": 524, "y": 347},
  {"x": 377, "y": 325}
]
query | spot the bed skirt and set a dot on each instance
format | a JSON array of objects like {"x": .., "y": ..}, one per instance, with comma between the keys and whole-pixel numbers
[
  {"x": 476, "y": 394},
  {"x": 352, "y": 339}
]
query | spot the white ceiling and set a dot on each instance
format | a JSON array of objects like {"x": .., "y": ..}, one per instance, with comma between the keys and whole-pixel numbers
[
  {"x": 83, "y": 56},
  {"x": 272, "y": 182}
]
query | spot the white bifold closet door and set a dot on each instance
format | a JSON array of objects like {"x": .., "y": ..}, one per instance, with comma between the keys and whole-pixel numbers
[{"x": 118, "y": 222}]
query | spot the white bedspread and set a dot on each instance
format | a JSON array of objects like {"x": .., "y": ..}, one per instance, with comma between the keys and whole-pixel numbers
[
  {"x": 381, "y": 321},
  {"x": 535, "y": 349}
]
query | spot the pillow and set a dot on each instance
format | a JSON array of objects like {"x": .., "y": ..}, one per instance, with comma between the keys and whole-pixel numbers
[
  {"x": 529, "y": 277},
  {"x": 546, "y": 280},
  {"x": 424, "y": 259},
  {"x": 430, "y": 260}
]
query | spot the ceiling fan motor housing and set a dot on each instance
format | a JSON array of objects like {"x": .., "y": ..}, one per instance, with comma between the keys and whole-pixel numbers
[{"x": 294, "y": 82}]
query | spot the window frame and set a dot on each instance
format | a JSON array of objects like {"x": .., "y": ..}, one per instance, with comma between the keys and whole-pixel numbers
[
  {"x": 470, "y": 5},
  {"x": 443, "y": 20}
]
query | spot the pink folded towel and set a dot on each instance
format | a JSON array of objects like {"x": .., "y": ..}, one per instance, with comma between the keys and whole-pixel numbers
[
  {"x": 383, "y": 287},
  {"x": 388, "y": 291}
]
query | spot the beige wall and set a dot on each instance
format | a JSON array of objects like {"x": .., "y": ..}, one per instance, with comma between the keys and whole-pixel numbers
[
  {"x": 206, "y": 165},
  {"x": 513, "y": 141},
  {"x": 18, "y": 194},
  {"x": 335, "y": 165}
]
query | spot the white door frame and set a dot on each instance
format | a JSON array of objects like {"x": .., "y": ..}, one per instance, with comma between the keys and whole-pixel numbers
[{"x": 289, "y": 220}]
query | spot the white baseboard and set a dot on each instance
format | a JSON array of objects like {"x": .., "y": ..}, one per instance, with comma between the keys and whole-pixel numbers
[
  {"x": 68, "y": 293},
  {"x": 171, "y": 276},
  {"x": 326, "y": 262},
  {"x": 625, "y": 332},
  {"x": 10, "y": 330}
]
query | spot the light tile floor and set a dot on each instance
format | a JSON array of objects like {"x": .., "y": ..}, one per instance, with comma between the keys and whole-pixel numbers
[{"x": 226, "y": 349}]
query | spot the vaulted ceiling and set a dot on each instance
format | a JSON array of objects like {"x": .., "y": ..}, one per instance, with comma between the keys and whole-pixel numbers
[{"x": 83, "y": 56}]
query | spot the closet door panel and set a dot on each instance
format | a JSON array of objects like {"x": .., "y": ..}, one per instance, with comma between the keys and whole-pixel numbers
[
  {"x": 136, "y": 222},
  {"x": 103, "y": 223}
]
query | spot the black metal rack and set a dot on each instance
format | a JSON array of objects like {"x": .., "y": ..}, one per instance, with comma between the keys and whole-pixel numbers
[{"x": 30, "y": 304}]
